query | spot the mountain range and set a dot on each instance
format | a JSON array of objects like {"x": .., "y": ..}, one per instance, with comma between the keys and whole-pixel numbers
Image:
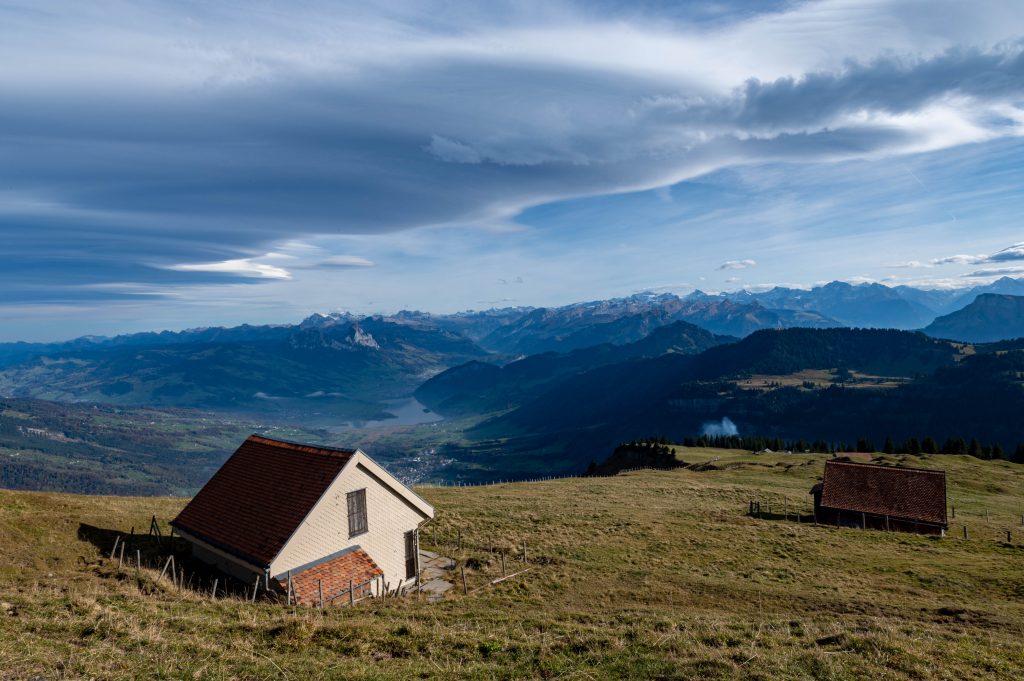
[
  {"x": 348, "y": 367},
  {"x": 335, "y": 365}
]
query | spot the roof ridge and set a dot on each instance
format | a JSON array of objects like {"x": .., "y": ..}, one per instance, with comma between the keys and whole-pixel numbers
[
  {"x": 895, "y": 467},
  {"x": 322, "y": 450}
]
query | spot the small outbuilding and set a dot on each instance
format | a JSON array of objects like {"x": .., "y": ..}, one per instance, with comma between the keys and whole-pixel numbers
[
  {"x": 882, "y": 497},
  {"x": 314, "y": 518}
]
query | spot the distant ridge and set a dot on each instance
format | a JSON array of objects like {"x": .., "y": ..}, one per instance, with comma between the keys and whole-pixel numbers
[{"x": 991, "y": 317}]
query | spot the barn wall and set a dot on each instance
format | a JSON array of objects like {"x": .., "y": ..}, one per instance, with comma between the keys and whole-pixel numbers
[{"x": 325, "y": 530}]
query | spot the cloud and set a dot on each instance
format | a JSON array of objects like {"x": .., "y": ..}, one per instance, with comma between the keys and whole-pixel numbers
[
  {"x": 452, "y": 151},
  {"x": 959, "y": 260},
  {"x": 724, "y": 427},
  {"x": 514, "y": 280},
  {"x": 1008, "y": 254},
  {"x": 995, "y": 272},
  {"x": 1014, "y": 252},
  {"x": 737, "y": 264},
  {"x": 344, "y": 261},
  {"x": 243, "y": 267},
  {"x": 164, "y": 143}
]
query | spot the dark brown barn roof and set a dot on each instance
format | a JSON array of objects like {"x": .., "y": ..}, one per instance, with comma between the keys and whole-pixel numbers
[
  {"x": 908, "y": 493},
  {"x": 253, "y": 504}
]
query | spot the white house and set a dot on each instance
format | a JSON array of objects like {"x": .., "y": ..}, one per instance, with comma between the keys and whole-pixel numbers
[{"x": 323, "y": 517}]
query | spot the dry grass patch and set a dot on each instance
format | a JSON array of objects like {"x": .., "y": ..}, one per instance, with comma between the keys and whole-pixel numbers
[{"x": 643, "y": 575}]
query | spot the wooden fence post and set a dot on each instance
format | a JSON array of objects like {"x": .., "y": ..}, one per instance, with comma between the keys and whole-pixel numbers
[
  {"x": 117, "y": 540},
  {"x": 138, "y": 562},
  {"x": 320, "y": 591},
  {"x": 166, "y": 565},
  {"x": 213, "y": 591},
  {"x": 120, "y": 558},
  {"x": 465, "y": 586},
  {"x": 255, "y": 588},
  {"x": 965, "y": 532},
  {"x": 351, "y": 594}
]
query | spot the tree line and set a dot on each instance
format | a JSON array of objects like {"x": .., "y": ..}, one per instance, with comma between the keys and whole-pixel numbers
[{"x": 911, "y": 445}]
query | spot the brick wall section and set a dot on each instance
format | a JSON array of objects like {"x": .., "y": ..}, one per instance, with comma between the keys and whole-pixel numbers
[{"x": 334, "y": 576}]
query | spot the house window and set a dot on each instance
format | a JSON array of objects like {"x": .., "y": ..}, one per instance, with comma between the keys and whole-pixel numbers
[{"x": 357, "y": 512}]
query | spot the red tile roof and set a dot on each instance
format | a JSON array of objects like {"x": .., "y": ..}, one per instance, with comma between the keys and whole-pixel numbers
[
  {"x": 254, "y": 503},
  {"x": 913, "y": 494},
  {"x": 333, "y": 577}
]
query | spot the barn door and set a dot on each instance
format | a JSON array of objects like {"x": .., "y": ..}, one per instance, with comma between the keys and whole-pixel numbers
[{"x": 411, "y": 554}]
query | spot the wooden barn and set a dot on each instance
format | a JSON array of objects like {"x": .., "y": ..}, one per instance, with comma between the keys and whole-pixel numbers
[
  {"x": 882, "y": 497},
  {"x": 308, "y": 519}
]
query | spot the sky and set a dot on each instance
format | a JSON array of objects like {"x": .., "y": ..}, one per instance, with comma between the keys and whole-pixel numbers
[{"x": 175, "y": 164}]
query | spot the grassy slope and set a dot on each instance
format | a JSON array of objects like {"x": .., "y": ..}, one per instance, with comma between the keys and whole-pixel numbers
[{"x": 647, "y": 574}]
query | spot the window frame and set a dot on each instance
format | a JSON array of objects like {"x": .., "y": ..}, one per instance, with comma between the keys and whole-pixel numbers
[{"x": 353, "y": 501}]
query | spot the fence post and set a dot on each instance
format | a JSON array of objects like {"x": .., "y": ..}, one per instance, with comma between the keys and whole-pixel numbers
[
  {"x": 166, "y": 565},
  {"x": 320, "y": 591},
  {"x": 117, "y": 540},
  {"x": 465, "y": 586},
  {"x": 213, "y": 591},
  {"x": 965, "y": 532},
  {"x": 351, "y": 594}
]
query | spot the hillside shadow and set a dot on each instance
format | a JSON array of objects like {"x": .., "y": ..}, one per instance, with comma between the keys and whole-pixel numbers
[
  {"x": 100, "y": 537},
  {"x": 191, "y": 575},
  {"x": 104, "y": 540}
]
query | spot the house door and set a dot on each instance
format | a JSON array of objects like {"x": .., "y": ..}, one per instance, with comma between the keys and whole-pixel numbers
[{"x": 411, "y": 554}]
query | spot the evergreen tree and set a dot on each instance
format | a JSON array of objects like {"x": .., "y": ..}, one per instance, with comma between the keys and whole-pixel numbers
[
  {"x": 889, "y": 447},
  {"x": 1018, "y": 454},
  {"x": 974, "y": 449},
  {"x": 913, "y": 446},
  {"x": 929, "y": 446},
  {"x": 997, "y": 451}
]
